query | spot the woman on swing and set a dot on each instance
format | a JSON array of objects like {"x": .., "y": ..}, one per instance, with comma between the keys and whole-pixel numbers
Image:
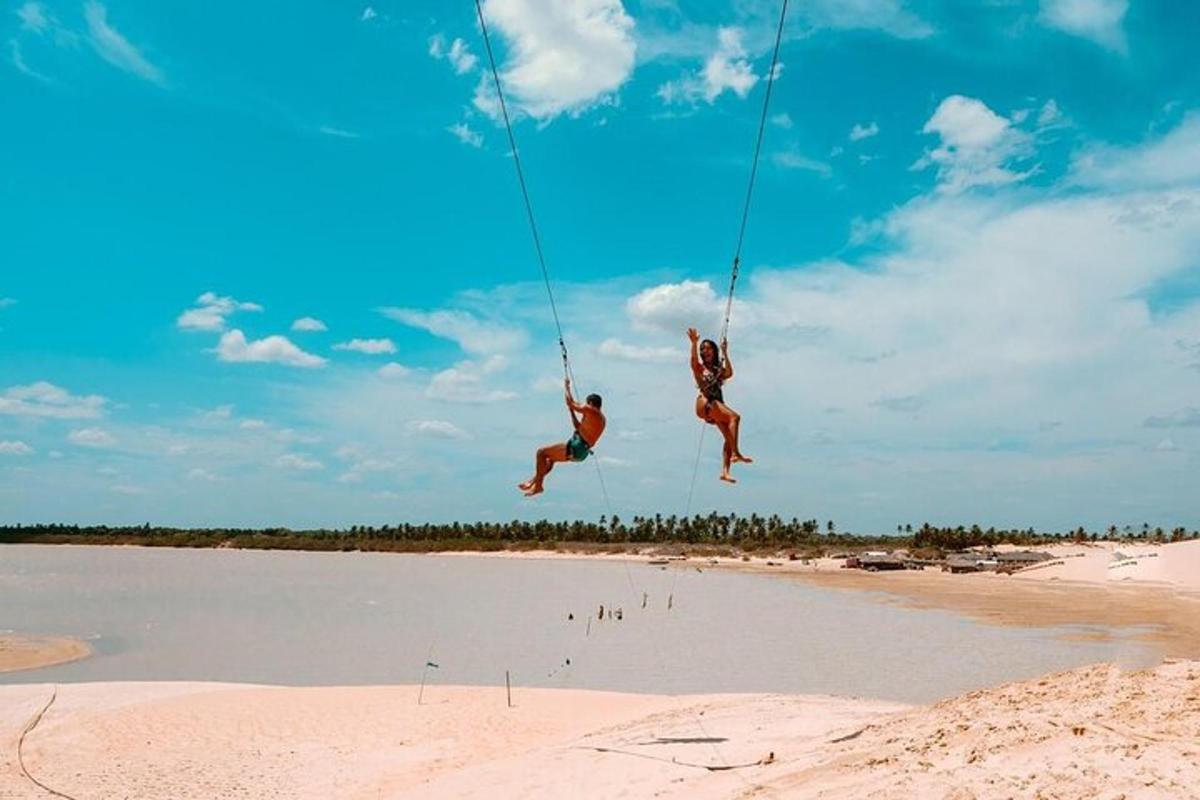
[{"x": 711, "y": 368}]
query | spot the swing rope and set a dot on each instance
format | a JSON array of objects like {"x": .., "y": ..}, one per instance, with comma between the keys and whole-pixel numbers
[
  {"x": 516, "y": 154},
  {"x": 533, "y": 229},
  {"x": 741, "y": 238}
]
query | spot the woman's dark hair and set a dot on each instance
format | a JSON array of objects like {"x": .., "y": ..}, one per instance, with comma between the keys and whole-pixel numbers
[
  {"x": 593, "y": 400},
  {"x": 716, "y": 351}
]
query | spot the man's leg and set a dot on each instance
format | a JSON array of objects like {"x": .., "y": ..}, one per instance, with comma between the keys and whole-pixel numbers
[
  {"x": 548, "y": 456},
  {"x": 538, "y": 470}
]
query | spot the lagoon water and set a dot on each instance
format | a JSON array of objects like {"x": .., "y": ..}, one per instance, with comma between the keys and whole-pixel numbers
[{"x": 365, "y": 618}]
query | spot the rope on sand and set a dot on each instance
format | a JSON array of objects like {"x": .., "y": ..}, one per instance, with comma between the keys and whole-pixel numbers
[
  {"x": 710, "y": 767},
  {"x": 33, "y": 723}
]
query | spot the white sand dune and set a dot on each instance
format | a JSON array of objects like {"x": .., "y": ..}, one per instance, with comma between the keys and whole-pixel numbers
[
  {"x": 1093, "y": 732},
  {"x": 1169, "y": 565}
]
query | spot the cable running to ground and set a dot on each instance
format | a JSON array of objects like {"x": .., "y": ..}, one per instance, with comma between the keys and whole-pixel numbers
[
  {"x": 537, "y": 239},
  {"x": 741, "y": 238}
]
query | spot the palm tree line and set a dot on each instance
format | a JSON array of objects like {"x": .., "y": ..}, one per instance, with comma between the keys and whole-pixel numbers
[{"x": 748, "y": 533}]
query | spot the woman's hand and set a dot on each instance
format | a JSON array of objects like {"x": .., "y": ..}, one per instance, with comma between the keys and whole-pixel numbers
[
  {"x": 693, "y": 335},
  {"x": 725, "y": 346}
]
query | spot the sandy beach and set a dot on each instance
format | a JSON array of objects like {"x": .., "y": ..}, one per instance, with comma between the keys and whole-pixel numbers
[
  {"x": 31, "y": 652},
  {"x": 1092, "y": 732},
  {"x": 1153, "y": 594},
  {"x": 1098, "y": 731}
]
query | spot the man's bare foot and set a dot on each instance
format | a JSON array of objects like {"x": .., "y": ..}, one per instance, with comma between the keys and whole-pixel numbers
[
  {"x": 534, "y": 490},
  {"x": 738, "y": 458},
  {"x": 525, "y": 486},
  {"x": 725, "y": 476}
]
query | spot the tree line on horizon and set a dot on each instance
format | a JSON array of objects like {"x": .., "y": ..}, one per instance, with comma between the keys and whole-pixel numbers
[{"x": 752, "y": 532}]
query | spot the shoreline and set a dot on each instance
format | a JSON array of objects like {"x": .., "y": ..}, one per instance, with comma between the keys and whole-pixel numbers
[
  {"x": 1093, "y": 731},
  {"x": 1159, "y": 613},
  {"x": 1080, "y": 592},
  {"x": 19, "y": 653}
]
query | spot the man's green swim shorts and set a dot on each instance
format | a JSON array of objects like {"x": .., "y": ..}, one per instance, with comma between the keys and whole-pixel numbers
[{"x": 577, "y": 448}]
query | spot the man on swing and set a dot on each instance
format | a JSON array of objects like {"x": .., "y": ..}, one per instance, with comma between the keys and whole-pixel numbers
[{"x": 589, "y": 425}]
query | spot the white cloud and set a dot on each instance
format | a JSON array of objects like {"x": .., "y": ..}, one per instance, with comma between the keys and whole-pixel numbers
[
  {"x": 1050, "y": 115},
  {"x": 437, "y": 429},
  {"x": 464, "y": 382},
  {"x": 727, "y": 69},
  {"x": 211, "y": 312},
  {"x": 1172, "y": 160},
  {"x": 14, "y": 448},
  {"x": 471, "y": 334},
  {"x": 34, "y": 18},
  {"x": 128, "y": 489},
  {"x": 5, "y": 302},
  {"x": 562, "y": 57},
  {"x": 91, "y": 437},
  {"x": 675, "y": 307},
  {"x": 1184, "y": 418},
  {"x": 458, "y": 53},
  {"x": 674, "y": 34},
  {"x": 199, "y": 474},
  {"x": 977, "y": 144},
  {"x": 295, "y": 461},
  {"x": 860, "y": 131},
  {"x": 1097, "y": 20},
  {"x": 18, "y": 61},
  {"x": 793, "y": 160},
  {"x": 234, "y": 348},
  {"x": 614, "y": 348},
  {"x": 252, "y": 425},
  {"x": 221, "y": 412},
  {"x": 392, "y": 371},
  {"x": 44, "y": 399},
  {"x": 309, "y": 325},
  {"x": 907, "y": 404},
  {"x": 371, "y": 347},
  {"x": 368, "y": 14},
  {"x": 337, "y": 133},
  {"x": 463, "y": 132},
  {"x": 889, "y": 16},
  {"x": 291, "y": 436},
  {"x": 114, "y": 48},
  {"x": 783, "y": 120}
]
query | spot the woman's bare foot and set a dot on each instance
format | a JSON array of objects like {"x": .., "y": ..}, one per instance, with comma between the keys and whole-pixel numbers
[
  {"x": 725, "y": 476},
  {"x": 525, "y": 486},
  {"x": 534, "y": 490},
  {"x": 738, "y": 458}
]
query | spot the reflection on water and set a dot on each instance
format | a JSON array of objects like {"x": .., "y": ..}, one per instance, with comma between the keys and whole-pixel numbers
[{"x": 361, "y": 618}]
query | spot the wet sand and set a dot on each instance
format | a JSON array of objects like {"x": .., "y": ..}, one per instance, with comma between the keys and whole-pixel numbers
[
  {"x": 31, "y": 652},
  {"x": 1165, "y": 617}
]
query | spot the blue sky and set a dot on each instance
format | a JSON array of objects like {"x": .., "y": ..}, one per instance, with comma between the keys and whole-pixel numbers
[{"x": 270, "y": 266}]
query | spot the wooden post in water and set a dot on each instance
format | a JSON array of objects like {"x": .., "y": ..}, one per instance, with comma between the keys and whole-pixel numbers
[
  {"x": 508, "y": 688},
  {"x": 424, "y": 673}
]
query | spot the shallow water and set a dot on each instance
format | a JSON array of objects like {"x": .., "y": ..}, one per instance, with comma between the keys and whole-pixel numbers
[{"x": 363, "y": 618}]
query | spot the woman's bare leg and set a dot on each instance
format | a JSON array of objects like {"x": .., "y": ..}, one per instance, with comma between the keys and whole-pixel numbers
[
  {"x": 727, "y": 452},
  {"x": 735, "y": 426}
]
